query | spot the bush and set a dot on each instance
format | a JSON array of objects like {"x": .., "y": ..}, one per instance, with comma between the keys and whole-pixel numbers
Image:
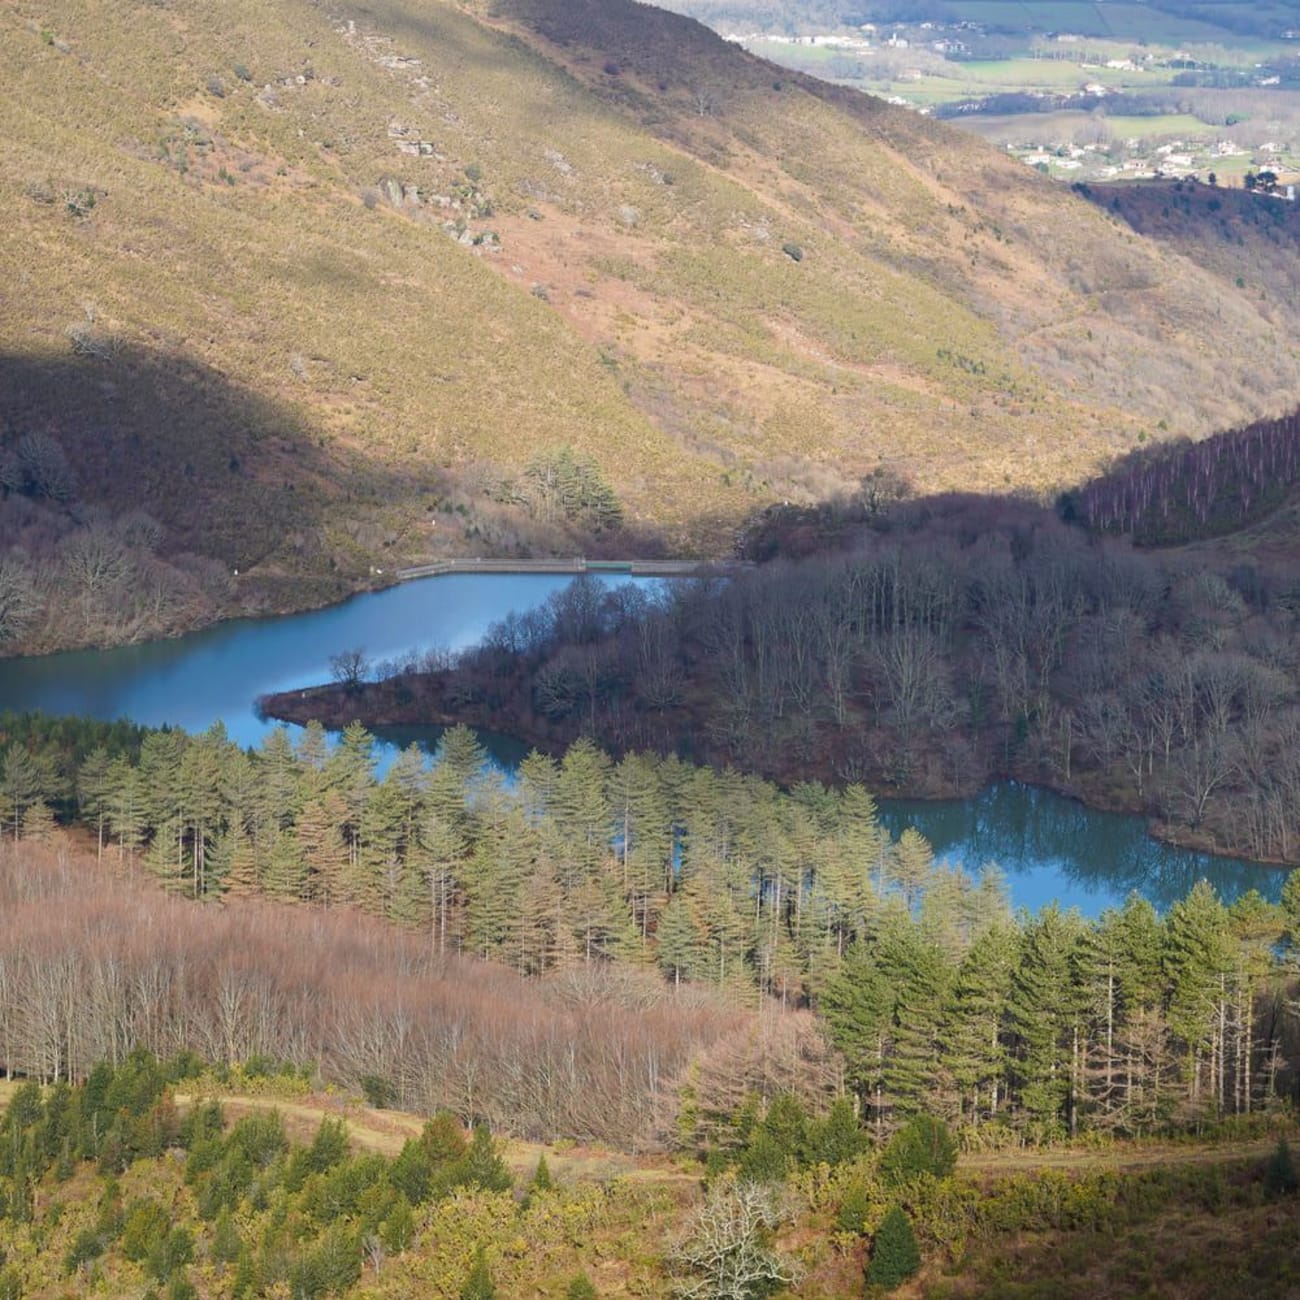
[
  {"x": 171, "y": 1254},
  {"x": 922, "y": 1146},
  {"x": 854, "y": 1208},
  {"x": 894, "y": 1253},
  {"x": 86, "y": 1246},
  {"x": 838, "y": 1138},
  {"x": 146, "y": 1227},
  {"x": 478, "y": 1286},
  {"x": 793, "y": 252},
  {"x": 581, "y": 1288},
  {"x": 1280, "y": 1173}
]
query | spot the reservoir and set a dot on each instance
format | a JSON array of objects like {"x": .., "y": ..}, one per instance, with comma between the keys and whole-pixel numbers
[{"x": 1048, "y": 847}]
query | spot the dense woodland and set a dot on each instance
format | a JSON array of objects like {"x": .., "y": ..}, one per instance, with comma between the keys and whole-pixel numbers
[
  {"x": 952, "y": 641},
  {"x": 934, "y": 996},
  {"x": 1184, "y": 492}
]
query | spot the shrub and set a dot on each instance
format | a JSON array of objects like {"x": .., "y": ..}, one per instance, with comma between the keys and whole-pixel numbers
[
  {"x": 764, "y": 1161},
  {"x": 86, "y": 1246},
  {"x": 922, "y": 1146},
  {"x": 170, "y": 1255},
  {"x": 838, "y": 1138},
  {"x": 792, "y": 251},
  {"x": 581, "y": 1288},
  {"x": 894, "y": 1253},
  {"x": 542, "y": 1181},
  {"x": 1280, "y": 1173},
  {"x": 478, "y": 1285},
  {"x": 145, "y": 1229},
  {"x": 854, "y": 1208},
  {"x": 482, "y": 1165}
]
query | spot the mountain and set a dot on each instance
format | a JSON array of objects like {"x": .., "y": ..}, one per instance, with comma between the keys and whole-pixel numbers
[{"x": 315, "y": 285}]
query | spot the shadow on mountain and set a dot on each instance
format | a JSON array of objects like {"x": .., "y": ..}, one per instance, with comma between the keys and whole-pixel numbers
[
  {"x": 245, "y": 479},
  {"x": 227, "y": 472}
]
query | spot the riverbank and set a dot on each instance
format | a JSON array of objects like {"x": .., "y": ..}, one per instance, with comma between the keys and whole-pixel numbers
[{"x": 255, "y": 596}]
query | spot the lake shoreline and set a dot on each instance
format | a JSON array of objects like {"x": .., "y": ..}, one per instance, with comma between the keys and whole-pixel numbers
[{"x": 392, "y": 704}]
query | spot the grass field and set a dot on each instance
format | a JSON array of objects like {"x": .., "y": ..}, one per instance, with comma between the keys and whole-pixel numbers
[{"x": 1120, "y": 21}]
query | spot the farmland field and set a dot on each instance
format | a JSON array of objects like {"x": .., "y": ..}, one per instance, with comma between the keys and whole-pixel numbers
[{"x": 1122, "y": 21}]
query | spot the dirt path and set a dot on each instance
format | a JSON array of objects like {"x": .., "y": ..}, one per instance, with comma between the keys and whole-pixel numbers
[
  {"x": 1120, "y": 1158},
  {"x": 385, "y": 1131}
]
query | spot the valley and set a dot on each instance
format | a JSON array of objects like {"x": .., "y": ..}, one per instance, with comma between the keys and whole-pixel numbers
[{"x": 628, "y": 672}]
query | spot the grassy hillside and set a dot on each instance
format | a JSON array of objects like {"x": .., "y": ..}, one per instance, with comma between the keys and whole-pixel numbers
[{"x": 313, "y": 288}]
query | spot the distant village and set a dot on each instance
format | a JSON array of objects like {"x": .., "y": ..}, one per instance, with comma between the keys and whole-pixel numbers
[{"x": 1065, "y": 132}]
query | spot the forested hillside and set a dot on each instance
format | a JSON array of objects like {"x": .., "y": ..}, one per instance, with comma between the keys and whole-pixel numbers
[
  {"x": 322, "y": 292},
  {"x": 933, "y": 995}
]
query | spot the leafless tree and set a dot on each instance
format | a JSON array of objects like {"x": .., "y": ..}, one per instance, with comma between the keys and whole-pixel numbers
[{"x": 726, "y": 1252}]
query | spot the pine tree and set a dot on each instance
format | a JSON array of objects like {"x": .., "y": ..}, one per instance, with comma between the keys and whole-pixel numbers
[
  {"x": 644, "y": 838},
  {"x": 857, "y": 1004},
  {"x": 324, "y": 853},
  {"x": 94, "y": 786},
  {"x": 284, "y": 873},
  {"x": 278, "y": 779},
  {"x": 909, "y": 864},
  {"x": 161, "y": 793},
  {"x": 681, "y": 943},
  {"x": 1291, "y": 913},
  {"x": 971, "y": 1032},
  {"x": 478, "y": 1285},
  {"x": 503, "y": 860},
  {"x": 923, "y": 1145},
  {"x": 236, "y": 860},
  {"x": 1198, "y": 961},
  {"x": 918, "y": 979},
  {"x": 541, "y": 1176},
  {"x": 203, "y": 809},
  {"x": 1046, "y": 1015},
  {"x": 895, "y": 1255},
  {"x": 460, "y": 766},
  {"x": 126, "y": 806},
  {"x": 580, "y": 813},
  {"x": 439, "y": 854},
  {"x": 1280, "y": 1177},
  {"x": 482, "y": 1165},
  {"x": 38, "y": 823}
]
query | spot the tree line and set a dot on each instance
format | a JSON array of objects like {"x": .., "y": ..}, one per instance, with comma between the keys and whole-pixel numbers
[
  {"x": 935, "y": 996},
  {"x": 95, "y": 963},
  {"x": 1189, "y": 490}
]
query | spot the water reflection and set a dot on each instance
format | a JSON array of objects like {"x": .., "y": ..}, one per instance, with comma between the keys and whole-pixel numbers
[{"x": 217, "y": 674}]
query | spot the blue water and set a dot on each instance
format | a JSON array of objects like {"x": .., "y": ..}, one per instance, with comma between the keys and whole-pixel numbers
[
  {"x": 1054, "y": 849},
  {"x": 219, "y": 673},
  {"x": 1049, "y": 847}
]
